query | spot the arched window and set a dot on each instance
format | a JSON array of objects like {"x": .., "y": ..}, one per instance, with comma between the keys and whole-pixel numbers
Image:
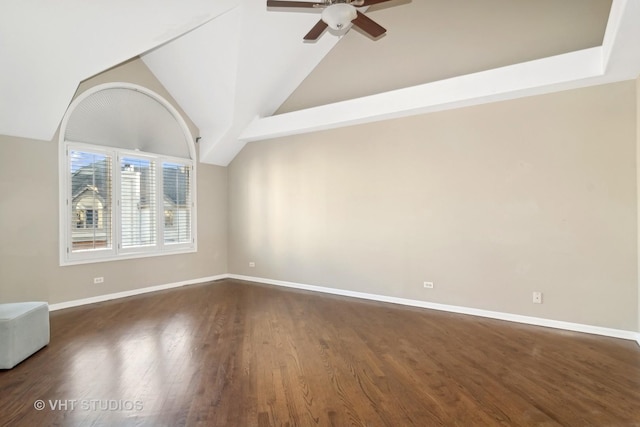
[{"x": 127, "y": 177}]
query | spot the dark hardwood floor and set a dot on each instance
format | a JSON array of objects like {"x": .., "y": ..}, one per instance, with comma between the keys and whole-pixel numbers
[{"x": 232, "y": 353}]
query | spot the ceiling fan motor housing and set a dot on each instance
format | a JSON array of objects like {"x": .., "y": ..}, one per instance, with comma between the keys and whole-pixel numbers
[
  {"x": 338, "y": 15},
  {"x": 356, "y": 3}
]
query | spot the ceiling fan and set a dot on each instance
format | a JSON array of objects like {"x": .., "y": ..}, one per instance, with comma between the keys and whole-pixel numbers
[{"x": 336, "y": 14}]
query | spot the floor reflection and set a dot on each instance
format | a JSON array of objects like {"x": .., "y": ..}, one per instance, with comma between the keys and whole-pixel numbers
[{"x": 137, "y": 373}]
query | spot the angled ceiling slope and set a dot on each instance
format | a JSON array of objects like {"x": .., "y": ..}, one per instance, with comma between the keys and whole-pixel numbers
[
  {"x": 617, "y": 59},
  {"x": 431, "y": 40},
  {"x": 243, "y": 64},
  {"x": 48, "y": 47}
]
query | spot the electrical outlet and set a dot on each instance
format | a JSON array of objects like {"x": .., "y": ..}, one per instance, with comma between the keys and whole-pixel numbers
[
  {"x": 252, "y": 264},
  {"x": 97, "y": 280},
  {"x": 537, "y": 297},
  {"x": 428, "y": 285}
]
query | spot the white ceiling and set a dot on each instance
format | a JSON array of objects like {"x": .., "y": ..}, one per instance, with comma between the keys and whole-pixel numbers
[
  {"x": 231, "y": 64},
  {"x": 240, "y": 66},
  {"x": 48, "y": 47}
]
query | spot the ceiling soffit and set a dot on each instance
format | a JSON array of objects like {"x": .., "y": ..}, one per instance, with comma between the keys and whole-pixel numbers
[
  {"x": 431, "y": 40},
  {"x": 617, "y": 59}
]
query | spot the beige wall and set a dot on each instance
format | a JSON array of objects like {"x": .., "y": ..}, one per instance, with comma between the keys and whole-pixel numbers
[
  {"x": 489, "y": 202},
  {"x": 29, "y": 260}
]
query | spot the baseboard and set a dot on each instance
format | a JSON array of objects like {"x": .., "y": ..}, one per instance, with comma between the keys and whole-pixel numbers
[
  {"x": 536, "y": 321},
  {"x": 140, "y": 291}
]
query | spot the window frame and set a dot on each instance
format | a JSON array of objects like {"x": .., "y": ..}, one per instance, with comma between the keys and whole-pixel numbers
[
  {"x": 117, "y": 251},
  {"x": 70, "y": 257}
]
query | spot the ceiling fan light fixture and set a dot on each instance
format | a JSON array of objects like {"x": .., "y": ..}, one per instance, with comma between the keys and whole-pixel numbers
[{"x": 339, "y": 15}]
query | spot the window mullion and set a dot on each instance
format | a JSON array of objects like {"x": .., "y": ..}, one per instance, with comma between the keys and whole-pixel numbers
[
  {"x": 117, "y": 198},
  {"x": 160, "y": 222},
  {"x": 68, "y": 209}
]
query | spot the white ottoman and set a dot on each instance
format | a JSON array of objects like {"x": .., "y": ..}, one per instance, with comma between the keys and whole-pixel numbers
[{"x": 24, "y": 329}]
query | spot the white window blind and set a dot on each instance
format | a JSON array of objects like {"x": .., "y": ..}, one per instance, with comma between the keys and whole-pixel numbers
[
  {"x": 90, "y": 201},
  {"x": 137, "y": 202},
  {"x": 176, "y": 178}
]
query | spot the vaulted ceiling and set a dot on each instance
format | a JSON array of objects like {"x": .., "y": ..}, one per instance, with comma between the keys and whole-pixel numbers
[
  {"x": 435, "y": 40},
  {"x": 242, "y": 72}
]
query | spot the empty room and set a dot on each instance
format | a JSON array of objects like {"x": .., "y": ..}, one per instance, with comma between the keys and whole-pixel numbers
[{"x": 329, "y": 213}]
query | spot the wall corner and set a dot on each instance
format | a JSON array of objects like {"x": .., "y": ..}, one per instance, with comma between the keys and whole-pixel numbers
[{"x": 638, "y": 202}]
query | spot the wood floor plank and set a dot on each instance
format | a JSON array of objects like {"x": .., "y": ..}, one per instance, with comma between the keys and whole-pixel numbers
[{"x": 233, "y": 353}]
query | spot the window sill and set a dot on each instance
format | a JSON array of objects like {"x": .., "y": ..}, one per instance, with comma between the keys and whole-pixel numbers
[{"x": 127, "y": 256}]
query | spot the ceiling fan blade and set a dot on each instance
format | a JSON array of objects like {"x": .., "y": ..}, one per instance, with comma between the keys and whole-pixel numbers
[
  {"x": 316, "y": 31},
  {"x": 368, "y": 26},
  {"x": 278, "y": 3},
  {"x": 372, "y": 2}
]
